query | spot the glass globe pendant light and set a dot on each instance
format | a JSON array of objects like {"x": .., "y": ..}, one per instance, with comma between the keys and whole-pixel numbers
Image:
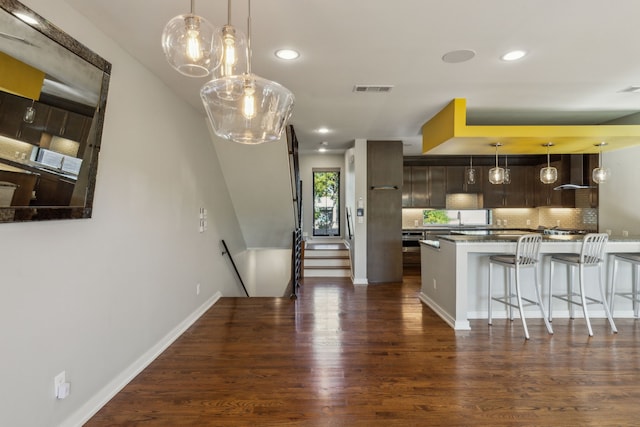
[
  {"x": 470, "y": 172},
  {"x": 247, "y": 108},
  {"x": 192, "y": 45},
  {"x": 496, "y": 174},
  {"x": 29, "y": 113},
  {"x": 548, "y": 174},
  {"x": 507, "y": 171},
  {"x": 234, "y": 49},
  {"x": 600, "y": 174}
]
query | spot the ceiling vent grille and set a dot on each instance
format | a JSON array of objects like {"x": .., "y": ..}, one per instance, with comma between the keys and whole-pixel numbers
[{"x": 373, "y": 88}]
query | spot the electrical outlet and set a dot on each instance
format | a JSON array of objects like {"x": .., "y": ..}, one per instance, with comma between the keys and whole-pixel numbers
[
  {"x": 625, "y": 233},
  {"x": 528, "y": 222},
  {"x": 435, "y": 286},
  {"x": 198, "y": 289}
]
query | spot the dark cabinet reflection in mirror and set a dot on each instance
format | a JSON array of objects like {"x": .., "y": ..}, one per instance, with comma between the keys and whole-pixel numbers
[{"x": 53, "y": 94}]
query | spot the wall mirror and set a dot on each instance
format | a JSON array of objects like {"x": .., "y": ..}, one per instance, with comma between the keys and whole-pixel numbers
[{"x": 53, "y": 93}]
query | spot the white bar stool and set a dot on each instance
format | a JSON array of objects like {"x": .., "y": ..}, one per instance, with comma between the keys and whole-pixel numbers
[
  {"x": 526, "y": 256},
  {"x": 634, "y": 295},
  {"x": 591, "y": 255}
]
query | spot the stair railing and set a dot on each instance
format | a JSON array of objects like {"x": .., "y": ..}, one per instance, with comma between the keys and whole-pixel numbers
[
  {"x": 226, "y": 252},
  {"x": 296, "y": 191}
]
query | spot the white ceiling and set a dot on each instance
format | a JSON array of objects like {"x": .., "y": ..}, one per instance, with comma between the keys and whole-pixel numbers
[{"x": 582, "y": 55}]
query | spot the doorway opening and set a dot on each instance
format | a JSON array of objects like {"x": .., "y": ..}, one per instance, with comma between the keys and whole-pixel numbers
[{"x": 326, "y": 203}]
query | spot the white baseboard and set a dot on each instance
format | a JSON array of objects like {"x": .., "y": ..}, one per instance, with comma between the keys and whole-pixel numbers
[
  {"x": 458, "y": 325},
  {"x": 360, "y": 281},
  {"x": 93, "y": 405}
]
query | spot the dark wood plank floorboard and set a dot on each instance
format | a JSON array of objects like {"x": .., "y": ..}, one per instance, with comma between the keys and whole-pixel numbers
[{"x": 375, "y": 356}]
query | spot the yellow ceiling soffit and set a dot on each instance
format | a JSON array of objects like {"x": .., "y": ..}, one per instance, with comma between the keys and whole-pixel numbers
[
  {"x": 447, "y": 133},
  {"x": 20, "y": 79}
]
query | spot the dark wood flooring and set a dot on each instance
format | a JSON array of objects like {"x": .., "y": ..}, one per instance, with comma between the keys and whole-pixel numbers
[{"x": 375, "y": 356}]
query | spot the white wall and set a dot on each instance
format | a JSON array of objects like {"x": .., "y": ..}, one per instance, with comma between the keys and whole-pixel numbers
[
  {"x": 309, "y": 162},
  {"x": 98, "y": 297},
  {"x": 360, "y": 233},
  {"x": 259, "y": 182},
  {"x": 619, "y": 204}
]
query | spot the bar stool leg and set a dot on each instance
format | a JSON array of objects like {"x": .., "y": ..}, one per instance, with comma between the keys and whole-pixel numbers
[
  {"x": 508, "y": 290},
  {"x": 520, "y": 307},
  {"x": 584, "y": 300},
  {"x": 612, "y": 296},
  {"x": 490, "y": 291},
  {"x": 549, "y": 296},
  {"x": 636, "y": 285},
  {"x": 539, "y": 299},
  {"x": 570, "y": 275},
  {"x": 604, "y": 301}
]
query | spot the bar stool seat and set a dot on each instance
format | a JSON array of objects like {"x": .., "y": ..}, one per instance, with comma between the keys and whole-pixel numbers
[
  {"x": 526, "y": 256},
  {"x": 634, "y": 295},
  {"x": 591, "y": 255}
]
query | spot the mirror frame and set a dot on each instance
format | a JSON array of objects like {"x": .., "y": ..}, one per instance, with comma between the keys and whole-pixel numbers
[{"x": 94, "y": 141}]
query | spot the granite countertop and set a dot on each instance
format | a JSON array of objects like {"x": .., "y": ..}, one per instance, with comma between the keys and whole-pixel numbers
[{"x": 513, "y": 238}]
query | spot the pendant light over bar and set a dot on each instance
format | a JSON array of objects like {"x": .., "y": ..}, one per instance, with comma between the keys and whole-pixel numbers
[
  {"x": 600, "y": 174},
  {"x": 247, "y": 108},
  {"x": 192, "y": 45},
  {"x": 548, "y": 174},
  {"x": 496, "y": 174},
  {"x": 507, "y": 171},
  {"x": 470, "y": 172},
  {"x": 234, "y": 49}
]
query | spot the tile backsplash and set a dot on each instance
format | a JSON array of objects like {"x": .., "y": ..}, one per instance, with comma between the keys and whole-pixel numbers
[{"x": 573, "y": 218}]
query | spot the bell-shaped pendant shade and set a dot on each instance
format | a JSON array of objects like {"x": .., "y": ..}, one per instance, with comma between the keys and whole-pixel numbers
[
  {"x": 192, "y": 45},
  {"x": 496, "y": 175},
  {"x": 247, "y": 109},
  {"x": 548, "y": 175},
  {"x": 234, "y": 52}
]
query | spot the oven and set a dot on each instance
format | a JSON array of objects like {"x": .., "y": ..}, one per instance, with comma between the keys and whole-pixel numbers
[{"x": 411, "y": 240}]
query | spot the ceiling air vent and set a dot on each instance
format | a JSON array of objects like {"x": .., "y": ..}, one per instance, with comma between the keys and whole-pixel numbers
[{"x": 372, "y": 88}]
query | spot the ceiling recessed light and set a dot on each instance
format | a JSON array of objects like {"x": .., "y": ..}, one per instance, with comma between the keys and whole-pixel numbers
[
  {"x": 514, "y": 55},
  {"x": 323, "y": 130},
  {"x": 287, "y": 54},
  {"x": 322, "y": 149}
]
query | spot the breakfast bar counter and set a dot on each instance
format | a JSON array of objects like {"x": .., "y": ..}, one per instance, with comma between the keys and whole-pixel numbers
[{"x": 455, "y": 271}]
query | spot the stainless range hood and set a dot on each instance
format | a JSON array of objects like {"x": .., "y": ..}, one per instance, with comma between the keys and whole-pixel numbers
[{"x": 578, "y": 165}]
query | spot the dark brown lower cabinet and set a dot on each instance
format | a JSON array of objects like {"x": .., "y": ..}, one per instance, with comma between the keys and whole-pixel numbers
[{"x": 53, "y": 192}]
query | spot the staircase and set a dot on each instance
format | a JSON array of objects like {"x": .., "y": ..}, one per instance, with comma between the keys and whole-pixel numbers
[{"x": 326, "y": 259}]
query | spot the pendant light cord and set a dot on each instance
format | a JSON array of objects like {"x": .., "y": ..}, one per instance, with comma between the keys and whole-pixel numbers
[
  {"x": 249, "y": 39},
  {"x": 193, "y": 7},
  {"x": 229, "y": 12},
  {"x": 600, "y": 158},
  {"x": 548, "y": 158}
]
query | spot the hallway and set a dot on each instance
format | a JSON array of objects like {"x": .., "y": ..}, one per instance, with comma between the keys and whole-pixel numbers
[{"x": 341, "y": 355}]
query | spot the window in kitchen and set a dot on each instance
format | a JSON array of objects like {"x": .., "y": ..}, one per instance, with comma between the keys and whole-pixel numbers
[{"x": 326, "y": 203}]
